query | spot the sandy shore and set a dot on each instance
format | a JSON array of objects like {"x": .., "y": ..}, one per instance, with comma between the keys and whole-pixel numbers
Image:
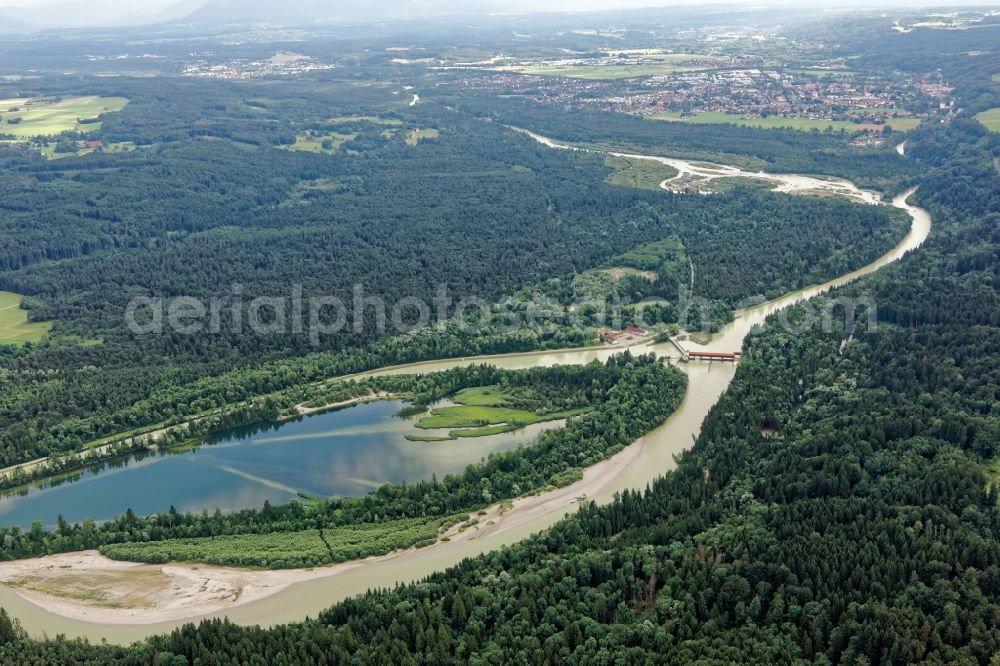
[
  {"x": 303, "y": 410},
  {"x": 90, "y": 587}
]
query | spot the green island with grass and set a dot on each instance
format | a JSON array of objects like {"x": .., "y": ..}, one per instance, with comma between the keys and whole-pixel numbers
[{"x": 482, "y": 411}]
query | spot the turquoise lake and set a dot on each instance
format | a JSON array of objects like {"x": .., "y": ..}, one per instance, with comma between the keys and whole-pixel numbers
[{"x": 346, "y": 452}]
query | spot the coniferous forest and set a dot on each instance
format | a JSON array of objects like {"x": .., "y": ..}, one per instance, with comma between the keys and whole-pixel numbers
[{"x": 841, "y": 504}]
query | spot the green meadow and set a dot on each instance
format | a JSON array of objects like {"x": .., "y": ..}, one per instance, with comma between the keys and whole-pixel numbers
[
  {"x": 416, "y": 136},
  {"x": 320, "y": 142},
  {"x": 990, "y": 119},
  {"x": 27, "y": 118},
  {"x": 481, "y": 411},
  {"x": 14, "y": 325}
]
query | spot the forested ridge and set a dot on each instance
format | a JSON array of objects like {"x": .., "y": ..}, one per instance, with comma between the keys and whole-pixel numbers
[{"x": 834, "y": 510}]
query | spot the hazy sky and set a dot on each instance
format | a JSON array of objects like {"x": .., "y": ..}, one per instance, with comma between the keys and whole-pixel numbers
[
  {"x": 96, "y": 11},
  {"x": 126, "y": 5},
  {"x": 147, "y": 6}
]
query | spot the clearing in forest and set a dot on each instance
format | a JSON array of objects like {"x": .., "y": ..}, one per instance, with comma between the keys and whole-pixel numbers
[
  {"x": 417, "y": 135},
  {"x": 642, "y": 174},
  {"x": 990, "y": 119},
  {"x": 14, "y": 325},
  {"x": 27, "y": 118}
]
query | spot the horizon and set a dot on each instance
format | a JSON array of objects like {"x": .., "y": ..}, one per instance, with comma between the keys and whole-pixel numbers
[{"x": 82, "y": 14}]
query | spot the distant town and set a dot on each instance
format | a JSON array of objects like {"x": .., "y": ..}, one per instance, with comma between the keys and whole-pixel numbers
[
  {"x": 703, "y": 88},
  {"x": 282, "y": 64}
]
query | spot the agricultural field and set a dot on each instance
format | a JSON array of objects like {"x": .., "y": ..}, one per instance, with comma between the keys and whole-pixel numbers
[
  {"x": 288, "y": 550},
  {"x": 641, "y": 174},
  {"x": 804, "y": 124},
  {"x": 14, "y": 325},
  {"x": 990, "y": 119},
  {"x": 27, "y": 118}
]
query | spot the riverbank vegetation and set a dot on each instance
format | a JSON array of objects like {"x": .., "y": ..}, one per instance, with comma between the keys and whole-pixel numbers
[
  {"x": 642, "y": 174},
  {"x": 290, "y": 550},
  {"x": 626, "y": 397},
  {"x": 777, "y": 150}
]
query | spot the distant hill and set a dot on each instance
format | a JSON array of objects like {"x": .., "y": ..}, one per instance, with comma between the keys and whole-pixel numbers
[
  {"x": 63, "y": 14},
  {"x": 310, "y": 11},
  {"x": 11, "y": 26}
]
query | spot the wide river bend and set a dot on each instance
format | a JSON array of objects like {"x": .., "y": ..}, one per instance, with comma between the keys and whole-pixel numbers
[{"x": 635, "y": 467}]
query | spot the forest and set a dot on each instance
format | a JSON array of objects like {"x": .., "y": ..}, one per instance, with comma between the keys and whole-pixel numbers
[
  {"x": 834, "y": 510},
  {"x": 214, "y": 199}
]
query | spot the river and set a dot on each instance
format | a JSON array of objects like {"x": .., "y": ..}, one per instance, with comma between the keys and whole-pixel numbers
[{"x": 635, "y": 467}]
